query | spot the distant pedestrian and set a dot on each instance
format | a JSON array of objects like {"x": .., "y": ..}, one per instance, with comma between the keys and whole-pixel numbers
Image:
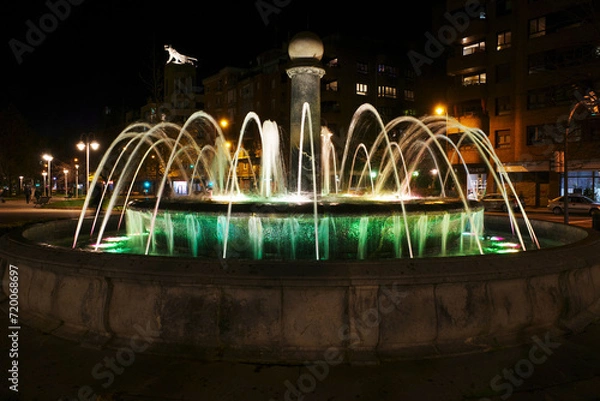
[
  {"x": 37, "y": 194},
  {"x": 27, "y": 191},
  {"x": 2, "y": 195}
]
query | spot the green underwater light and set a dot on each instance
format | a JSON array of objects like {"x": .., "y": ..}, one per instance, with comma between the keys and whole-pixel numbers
[{"x": 349, "y": 234}]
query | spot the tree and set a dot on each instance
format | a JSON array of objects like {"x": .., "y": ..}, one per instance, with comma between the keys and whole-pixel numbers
[{"x": 18, "y": 146}]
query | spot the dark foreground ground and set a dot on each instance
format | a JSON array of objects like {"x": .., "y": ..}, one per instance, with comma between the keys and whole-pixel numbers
[{"x": 546, "y": 369}]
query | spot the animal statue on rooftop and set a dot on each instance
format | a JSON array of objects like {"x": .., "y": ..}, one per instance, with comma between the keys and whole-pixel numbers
[{"x": 178, "y": 58}]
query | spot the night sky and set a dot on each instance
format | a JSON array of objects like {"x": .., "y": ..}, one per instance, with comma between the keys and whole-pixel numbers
[{"x": 94, "y": 52}]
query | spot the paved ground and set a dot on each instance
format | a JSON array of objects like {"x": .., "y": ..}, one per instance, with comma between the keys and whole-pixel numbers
[
  {"x": 547, "y": 369},
  {"x": 15, "y": 212}
]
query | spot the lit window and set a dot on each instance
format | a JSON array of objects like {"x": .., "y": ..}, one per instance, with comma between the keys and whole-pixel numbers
[
  {"x": 387, "y": 91},
  {"x": 474, "y": 48},
  {"x": 537, "y": 27},
  {"x": 503, "y": 138},
  {"x": 361, "y": 89},
  {"x": 476, "y": 79},
  {"x": 504, "y": 40}
]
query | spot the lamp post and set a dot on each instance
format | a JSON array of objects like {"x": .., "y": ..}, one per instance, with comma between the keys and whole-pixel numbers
[
  {"x": 591, "y": 103},
  {"x": 76, "y": 181},
  {"x": 86, "y": 144},
  {"x": 44, "y": 175},
  {"x": 442, "y": 110},
  {"x": 66, "y": 172},
  {"x": 49, "y": 159}
]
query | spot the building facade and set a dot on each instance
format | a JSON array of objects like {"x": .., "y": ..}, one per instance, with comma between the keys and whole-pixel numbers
[
  {"x": 182, "y": 96},
  {"x": 356, "y": 72},
  {"x": 359, "y": 71},
  {"x": 523, "y": 71}
]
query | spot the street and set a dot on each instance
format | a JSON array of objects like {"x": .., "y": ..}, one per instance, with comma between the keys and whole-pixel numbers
[
  {"x": 15, "y": 212},
  {"x": 542, "y": 213}
]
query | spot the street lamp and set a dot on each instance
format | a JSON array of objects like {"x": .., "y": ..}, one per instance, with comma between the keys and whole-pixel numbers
[
  {"x": 591, "y": 103},
  {"x": 441, "y": 110},
  {"x": 49, "y": 159},
  {"x": 76, "y": 181},
  {"x": 86, "y": 144},
  {"x": 66, "y": 172},
  {"x": 44, "y": 175}
]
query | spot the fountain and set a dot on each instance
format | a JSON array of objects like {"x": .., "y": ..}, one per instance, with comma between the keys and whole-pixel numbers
[
  {"x": 340, "y": 254},
  {"x": 359, "y": 204},
  {"x": 386, "y": 220}
]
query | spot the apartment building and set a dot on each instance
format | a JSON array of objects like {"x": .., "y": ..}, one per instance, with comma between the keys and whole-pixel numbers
[
  {"x": 357, "y": 71},
  {"x": 524, "y": 71},
  {"x": 181, "y": 95}
]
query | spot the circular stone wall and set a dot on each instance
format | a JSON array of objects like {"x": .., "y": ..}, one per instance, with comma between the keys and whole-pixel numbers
[{"x": 287, "y": 312}]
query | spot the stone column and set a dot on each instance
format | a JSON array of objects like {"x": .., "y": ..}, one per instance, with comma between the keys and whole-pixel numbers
[{"x": 305, "y": 71}]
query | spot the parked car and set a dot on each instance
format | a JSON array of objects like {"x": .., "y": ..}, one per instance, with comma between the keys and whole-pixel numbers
[
  {"x": 577, "y": 204},
  {"x": 496, "y": 202}
]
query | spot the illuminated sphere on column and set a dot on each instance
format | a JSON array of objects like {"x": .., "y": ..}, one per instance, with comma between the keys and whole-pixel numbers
[{"x": 305, "y": 45}]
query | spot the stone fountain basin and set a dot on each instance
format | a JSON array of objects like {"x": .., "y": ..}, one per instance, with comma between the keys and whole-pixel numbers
[
  {"x": 295, "y": 311},
  {"x": 348, "y": 229}
]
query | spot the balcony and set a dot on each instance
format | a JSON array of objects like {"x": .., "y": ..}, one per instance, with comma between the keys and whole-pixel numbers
[
  {"x": 460, "y": 93},
  {"x": 460, "y": 65}
]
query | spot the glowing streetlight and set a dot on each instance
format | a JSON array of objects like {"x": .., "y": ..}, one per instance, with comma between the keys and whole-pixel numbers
[
  {"x": 44, "y": 175},
  {"x": 49, "y": 159},
  {"x": 442, "y": 110},
  {"x": 87, "y": 145},
  {"x": 224, "y": 123},
  {"x": 76, "y": 181},
  {"x": 66, "y": 172}
]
